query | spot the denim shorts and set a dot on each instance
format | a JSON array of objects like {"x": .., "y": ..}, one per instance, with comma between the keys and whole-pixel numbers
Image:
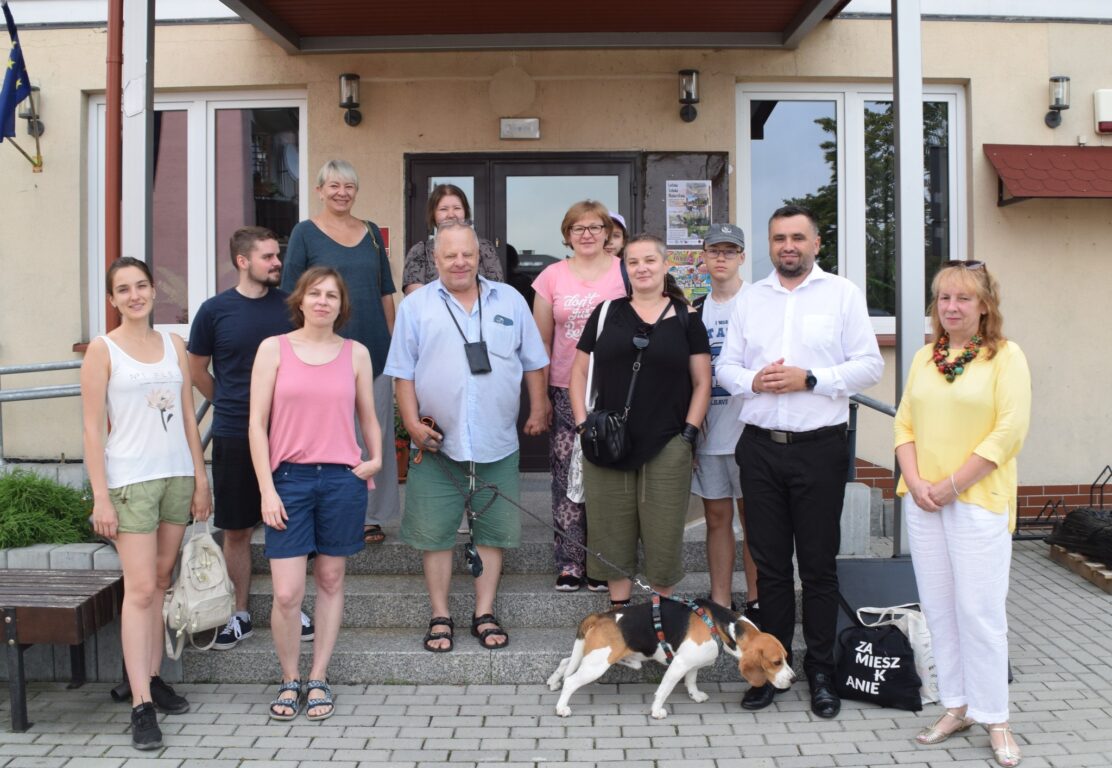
[{"x": 325, "y": 505}]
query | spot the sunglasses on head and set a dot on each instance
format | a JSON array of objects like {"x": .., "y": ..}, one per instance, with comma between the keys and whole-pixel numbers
[{"x": 971, "y": 264}]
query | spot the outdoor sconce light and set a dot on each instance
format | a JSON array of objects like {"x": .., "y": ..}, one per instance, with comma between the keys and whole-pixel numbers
[
  {"x": 349, "y": 98},
  {"x": 31, "y": 114},
  {"x": 689, "y": 94},
  {"x": 1059, "y": 100}
]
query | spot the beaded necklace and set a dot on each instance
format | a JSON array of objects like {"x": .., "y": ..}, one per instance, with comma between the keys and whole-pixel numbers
[{"x": 951, "y": 369}]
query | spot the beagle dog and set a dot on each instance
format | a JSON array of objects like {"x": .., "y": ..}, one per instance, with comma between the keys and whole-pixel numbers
[{"x": 626, "y": 636}]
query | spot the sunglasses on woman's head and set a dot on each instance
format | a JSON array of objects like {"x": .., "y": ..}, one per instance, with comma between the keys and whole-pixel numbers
[{"x": 971, "y": 264}]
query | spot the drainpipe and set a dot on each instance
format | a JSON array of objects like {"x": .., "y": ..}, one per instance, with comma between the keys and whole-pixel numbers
[{"x": 113, "y": 172}]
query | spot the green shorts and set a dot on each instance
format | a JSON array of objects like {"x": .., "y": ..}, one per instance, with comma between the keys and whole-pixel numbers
[
  {"x": 434, "y": 506},
  {"x": 140, "y": 507}
]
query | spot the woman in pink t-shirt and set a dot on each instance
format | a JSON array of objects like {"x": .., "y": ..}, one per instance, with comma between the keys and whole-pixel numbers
[{"x": 567, "y": 293}]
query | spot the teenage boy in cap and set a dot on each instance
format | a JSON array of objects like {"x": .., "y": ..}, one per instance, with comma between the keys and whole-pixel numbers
[{"x": 715, "y": 477}]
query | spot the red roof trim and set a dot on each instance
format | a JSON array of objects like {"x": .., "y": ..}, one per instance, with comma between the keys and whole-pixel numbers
[{"x": 1029, "y": 170}]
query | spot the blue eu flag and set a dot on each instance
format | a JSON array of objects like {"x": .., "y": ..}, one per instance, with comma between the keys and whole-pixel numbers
[{"x": 17, "y": 85}]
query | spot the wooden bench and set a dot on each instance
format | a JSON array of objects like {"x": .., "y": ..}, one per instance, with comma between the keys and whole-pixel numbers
[{"x": 56, "y": 607}]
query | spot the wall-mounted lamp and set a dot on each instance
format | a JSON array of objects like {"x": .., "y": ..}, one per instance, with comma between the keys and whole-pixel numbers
[
  {"x": 31, "y": 113},
  {"x": 689, "y": 94},
  {"x": 349, "y": 98},
  {"x": 1059, "y": 99}
]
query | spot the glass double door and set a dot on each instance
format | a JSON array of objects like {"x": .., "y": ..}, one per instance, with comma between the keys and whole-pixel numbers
[{"x": 517, "y": 203}]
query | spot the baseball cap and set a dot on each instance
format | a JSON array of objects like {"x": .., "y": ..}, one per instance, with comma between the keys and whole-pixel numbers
[
  {"x": 724, "y": 233},
  {"x": 621, "y": 222}
]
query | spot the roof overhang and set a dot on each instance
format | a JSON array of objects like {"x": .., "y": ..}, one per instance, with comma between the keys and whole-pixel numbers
[
  {"x": 355, "y": 26},
  {"x": 1028, "y": 170}
]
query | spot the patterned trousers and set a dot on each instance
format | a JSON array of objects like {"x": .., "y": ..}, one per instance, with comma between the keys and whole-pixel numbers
[{"x": 567, "y": 516}]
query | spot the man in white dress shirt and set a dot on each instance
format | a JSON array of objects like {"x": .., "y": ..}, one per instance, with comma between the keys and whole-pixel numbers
[{"x": 799, "y": 344}]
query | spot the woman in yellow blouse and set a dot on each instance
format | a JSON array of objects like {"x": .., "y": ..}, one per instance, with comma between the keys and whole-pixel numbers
[{"x": 961, "y": 423}]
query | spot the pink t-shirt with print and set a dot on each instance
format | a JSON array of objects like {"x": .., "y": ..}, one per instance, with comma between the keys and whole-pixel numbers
[{"x": 572, "y": 301}]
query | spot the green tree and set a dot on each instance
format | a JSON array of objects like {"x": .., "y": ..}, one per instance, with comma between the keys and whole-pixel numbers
[{"x": 880, "y": 198}]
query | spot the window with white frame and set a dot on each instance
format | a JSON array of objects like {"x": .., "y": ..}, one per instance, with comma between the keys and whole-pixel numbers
[
  {"x": 221, "y": 161},
  {"x": 831, "y": 148}
]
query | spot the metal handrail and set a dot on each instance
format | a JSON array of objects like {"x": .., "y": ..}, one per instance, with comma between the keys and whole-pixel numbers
[
  {"x": 63, "y": 390},
  {"x": 877, "y": 405}
]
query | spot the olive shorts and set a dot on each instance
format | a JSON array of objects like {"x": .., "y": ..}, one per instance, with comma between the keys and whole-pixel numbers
[
  {"x": 649, "y": 503},
  {"x": 140, "y": 507},
  {"x": 434, "y": 505}
]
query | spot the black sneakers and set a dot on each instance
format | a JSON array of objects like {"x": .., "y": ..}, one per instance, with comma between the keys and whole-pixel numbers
[
  {"x": 307, "y": 630},
  {"x": 568, "y": 582},
  {"x": 597, "y": 586},
  {"x": 165, "y": 699},
  {"x": 145, "y": 733}
]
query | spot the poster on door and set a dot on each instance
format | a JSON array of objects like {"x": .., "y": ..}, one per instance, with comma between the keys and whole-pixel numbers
[
  {"x": 688, "y": 211},
  {"x": 690, "y": 271}
]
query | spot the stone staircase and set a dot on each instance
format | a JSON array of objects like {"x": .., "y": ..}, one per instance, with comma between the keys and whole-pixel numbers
[{"x": 386, "y": 612}]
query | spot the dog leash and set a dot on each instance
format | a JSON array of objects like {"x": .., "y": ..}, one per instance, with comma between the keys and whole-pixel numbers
[
  {"x": 475, "y": 563},
  {"x": 475, "y": 487}
]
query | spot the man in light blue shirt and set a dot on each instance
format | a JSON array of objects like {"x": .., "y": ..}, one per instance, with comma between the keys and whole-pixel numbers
[{"x": 461, "y": 346}]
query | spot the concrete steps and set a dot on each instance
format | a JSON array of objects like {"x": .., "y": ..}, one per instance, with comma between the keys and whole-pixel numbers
[
  {"x": 386, "y": 611},
  {"x": 525, "y": 600},
  {"x": 395, "y": 656}
]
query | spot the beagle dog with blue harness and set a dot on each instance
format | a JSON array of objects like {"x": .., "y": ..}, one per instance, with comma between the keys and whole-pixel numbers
[{"x": 683, "y": 636}]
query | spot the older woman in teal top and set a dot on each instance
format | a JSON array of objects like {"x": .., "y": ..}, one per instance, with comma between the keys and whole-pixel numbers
[
  {"x": 960, "y": 425},
  {"x": 355, "y": 248}
]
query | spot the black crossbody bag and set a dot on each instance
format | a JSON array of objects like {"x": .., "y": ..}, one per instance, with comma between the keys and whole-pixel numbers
[{"x": 605, "y": 439}]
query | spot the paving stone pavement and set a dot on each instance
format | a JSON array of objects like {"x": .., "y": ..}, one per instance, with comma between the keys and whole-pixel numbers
[{"x": 1061, "y": 653}]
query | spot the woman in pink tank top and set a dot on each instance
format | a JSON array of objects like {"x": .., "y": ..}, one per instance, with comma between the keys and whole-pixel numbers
[
  {"x": 148, "y": 477},
  {"x": 304, "y": 388}
]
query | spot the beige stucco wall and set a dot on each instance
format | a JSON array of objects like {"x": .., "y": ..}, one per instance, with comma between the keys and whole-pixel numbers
[{"x": 1051, "y": 257}]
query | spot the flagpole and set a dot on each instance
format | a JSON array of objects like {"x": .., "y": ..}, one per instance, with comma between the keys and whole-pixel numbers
[
  {"x": 37, "y": 162},
  {"x": 31, "y": 160}
]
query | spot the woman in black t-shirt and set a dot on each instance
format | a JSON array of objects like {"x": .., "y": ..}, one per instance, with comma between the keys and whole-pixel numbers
[{"x": 645, "y": 496}]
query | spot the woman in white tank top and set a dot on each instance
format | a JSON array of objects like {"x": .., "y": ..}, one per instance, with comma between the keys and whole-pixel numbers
[{"x": 147, "y": 478}]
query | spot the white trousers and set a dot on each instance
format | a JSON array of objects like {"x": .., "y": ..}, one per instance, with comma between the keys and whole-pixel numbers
[{"x": 962, "y": 556}]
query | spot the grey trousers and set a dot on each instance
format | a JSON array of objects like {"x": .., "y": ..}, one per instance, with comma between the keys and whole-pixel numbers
[{"x": 383, "y": 503}]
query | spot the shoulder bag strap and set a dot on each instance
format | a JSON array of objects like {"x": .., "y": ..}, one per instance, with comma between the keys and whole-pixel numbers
[
  {"x": 376, "y": 241},
  {"x": 637, "y": 361},
  {"x": 591, "y": 394}
]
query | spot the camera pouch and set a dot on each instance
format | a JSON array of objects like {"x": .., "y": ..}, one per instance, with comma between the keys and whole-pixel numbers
[{"x": 477, "y": 358}]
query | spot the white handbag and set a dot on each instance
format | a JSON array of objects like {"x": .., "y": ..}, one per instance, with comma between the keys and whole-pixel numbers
[
  {"x": 909, "y": 619},
  {"x": 576, "y": 492}
]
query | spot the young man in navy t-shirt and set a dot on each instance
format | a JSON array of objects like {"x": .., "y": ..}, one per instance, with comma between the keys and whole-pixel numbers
[{"x": 226, "y": 332}]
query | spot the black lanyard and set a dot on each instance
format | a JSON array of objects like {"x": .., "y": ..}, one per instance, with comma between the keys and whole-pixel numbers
[{"x": 451, "y": 314}]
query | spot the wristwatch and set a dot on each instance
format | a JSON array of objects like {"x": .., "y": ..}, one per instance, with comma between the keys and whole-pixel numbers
[
  {"x": 581, "y": 427},
  {"x": 810, "y": 381}
]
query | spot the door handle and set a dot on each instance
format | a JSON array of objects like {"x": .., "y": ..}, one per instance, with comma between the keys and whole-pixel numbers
[{"x": 497, "y": 242}]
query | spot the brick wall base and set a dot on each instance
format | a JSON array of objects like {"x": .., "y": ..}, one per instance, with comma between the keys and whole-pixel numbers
[{"x": 1031, "y": 499}]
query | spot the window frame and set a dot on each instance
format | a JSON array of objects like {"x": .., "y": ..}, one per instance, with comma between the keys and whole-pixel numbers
[
  {"x": 850, "y": 100},
  {"x": 201, "y": 107}
]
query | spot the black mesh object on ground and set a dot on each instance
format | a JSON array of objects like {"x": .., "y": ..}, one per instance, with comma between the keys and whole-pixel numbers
[{"x": 1087, "y": 531}]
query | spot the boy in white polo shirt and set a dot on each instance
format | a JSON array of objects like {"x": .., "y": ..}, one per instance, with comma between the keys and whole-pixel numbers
[{"x": 715, "y": 478}]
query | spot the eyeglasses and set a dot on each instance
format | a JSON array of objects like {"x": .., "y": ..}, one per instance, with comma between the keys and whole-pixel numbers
[
  {"x": 965, "y": 264},
  {"x": 579, "y": 229},
  {"x": 452, "y": 221},
  {"x": 728, "y": 255}
]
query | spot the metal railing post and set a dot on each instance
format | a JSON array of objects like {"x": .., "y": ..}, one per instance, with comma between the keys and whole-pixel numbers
[{"x": 852, "y": 436}]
